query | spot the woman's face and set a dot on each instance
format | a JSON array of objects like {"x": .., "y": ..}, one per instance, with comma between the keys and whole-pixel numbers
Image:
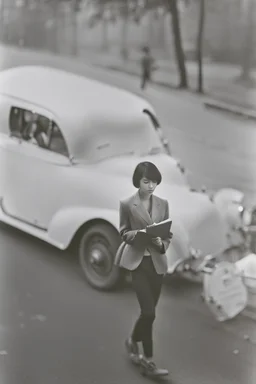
[{"x": 147, "y": 186}]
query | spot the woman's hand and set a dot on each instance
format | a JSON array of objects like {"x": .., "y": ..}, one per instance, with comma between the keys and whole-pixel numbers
[{"x": 157, "y": 241}]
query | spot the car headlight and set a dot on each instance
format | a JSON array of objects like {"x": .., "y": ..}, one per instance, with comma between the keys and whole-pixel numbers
[{"x": 245, "y": 214}]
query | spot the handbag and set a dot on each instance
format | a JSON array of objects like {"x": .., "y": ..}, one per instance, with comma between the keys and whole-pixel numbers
[{"x": 119, "y": 254}]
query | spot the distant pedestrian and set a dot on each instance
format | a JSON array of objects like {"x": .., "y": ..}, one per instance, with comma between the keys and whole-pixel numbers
[
  {"x": 146, "y": 261},
  {"x": 147, "y": 67}
]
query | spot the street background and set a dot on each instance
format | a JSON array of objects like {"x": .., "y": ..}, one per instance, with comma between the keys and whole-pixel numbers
[
  {"x": 53, "y": 327},
  {"x": 106, "y": 30}
]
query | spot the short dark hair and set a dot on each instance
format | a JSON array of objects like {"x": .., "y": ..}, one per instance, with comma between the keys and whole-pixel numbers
[{"x": 148, "y": 170}]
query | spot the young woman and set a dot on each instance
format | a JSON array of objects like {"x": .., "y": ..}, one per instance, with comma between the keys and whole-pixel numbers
[{"x": 146, "y": 261}]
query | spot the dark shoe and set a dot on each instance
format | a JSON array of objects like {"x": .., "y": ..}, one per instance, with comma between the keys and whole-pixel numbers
[
  {"x": 131, "y": 346},
  {"x": 148, "y": 368}
]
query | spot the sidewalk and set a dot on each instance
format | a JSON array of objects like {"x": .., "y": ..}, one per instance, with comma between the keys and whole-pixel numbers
[{"x": 222, "y": 90}]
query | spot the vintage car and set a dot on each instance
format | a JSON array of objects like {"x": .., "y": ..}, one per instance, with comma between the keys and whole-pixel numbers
[{"x": 68, "y": 148}]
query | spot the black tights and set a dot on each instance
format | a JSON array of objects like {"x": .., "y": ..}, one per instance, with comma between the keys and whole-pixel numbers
[{"x": 147, "y": 285}]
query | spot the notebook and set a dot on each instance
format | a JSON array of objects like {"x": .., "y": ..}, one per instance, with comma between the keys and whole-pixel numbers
[{"x": 161, "y": 229}]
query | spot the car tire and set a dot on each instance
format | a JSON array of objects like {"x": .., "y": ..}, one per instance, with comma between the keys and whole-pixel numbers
[{"x": 97, "y": 248}]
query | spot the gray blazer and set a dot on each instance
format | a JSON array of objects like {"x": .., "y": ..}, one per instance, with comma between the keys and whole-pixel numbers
[{"x": 134, "y": 216}]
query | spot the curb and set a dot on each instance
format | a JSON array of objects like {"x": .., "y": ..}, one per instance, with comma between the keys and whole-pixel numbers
[
  {"x": 231, "y": 108},
  {"x": 135, "y": 74}
]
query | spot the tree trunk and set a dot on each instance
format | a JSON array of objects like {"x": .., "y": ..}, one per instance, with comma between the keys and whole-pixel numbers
[
  {"x": 151, "y": 34},
  {"x": 4, "y": 21},
  {"x": 74, "y": 20},
  {"x": 23, "y": 32},
  {"x": 200, "y": 43},
  {"x": 75, "y": 33},
  {"x": 124, "y": 31},
  {"x": 180, "y": 57},
  {"x": 248, "y": 51},
  {"x": 161, "y": 32},
  {"x": 104, "y": 28},
  {"x": 105, "y": 45},
  {"x": 55, "y": 14}
]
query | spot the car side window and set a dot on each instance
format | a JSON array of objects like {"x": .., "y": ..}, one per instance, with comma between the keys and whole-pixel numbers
[
  {"x": 37, "y": 129},
  {"x": 15, "y": 122},
  {"x": 57, "y": 142},
  {"x": 29, "y": 126}
]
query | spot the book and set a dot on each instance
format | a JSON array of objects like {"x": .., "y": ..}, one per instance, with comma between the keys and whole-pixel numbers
[
  {"x": 144, "y": 236},
  {"x": 161, "y": 229},
  {"x": 142, "y": 239}
]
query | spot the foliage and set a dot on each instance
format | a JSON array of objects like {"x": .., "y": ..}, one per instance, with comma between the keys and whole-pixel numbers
[
  {"x": 111, "y": 10},
  {"x": 76, "y": 4}
]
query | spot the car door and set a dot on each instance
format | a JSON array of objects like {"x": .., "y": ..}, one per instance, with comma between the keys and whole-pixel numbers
[
  {"x": 8, "y": 146},
  {"x": 36, "y": 176}
]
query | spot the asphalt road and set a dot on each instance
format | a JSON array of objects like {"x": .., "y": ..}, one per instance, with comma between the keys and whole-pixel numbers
[
  {"x": 217, "y": 149},
  {"x": 55, "y": 329}
]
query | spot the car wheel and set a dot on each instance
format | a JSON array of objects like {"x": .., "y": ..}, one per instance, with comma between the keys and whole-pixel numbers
[{"x": 97, "y": 249}]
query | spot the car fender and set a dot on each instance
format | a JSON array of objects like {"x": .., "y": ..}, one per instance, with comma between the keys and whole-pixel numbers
[{"x": 67, "y": 221}]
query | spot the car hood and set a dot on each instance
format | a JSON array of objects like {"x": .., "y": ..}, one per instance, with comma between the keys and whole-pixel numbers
[{"x": 125, "y": 165}]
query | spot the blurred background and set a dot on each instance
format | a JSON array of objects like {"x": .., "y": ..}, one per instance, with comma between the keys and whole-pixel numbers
[{"x": 180, "y": 33}]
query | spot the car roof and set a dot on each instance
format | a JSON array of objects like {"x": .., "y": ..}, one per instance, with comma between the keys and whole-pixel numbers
[
  {"x": 64, "y": 93},
  {"x": 96, "y": 119}
]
